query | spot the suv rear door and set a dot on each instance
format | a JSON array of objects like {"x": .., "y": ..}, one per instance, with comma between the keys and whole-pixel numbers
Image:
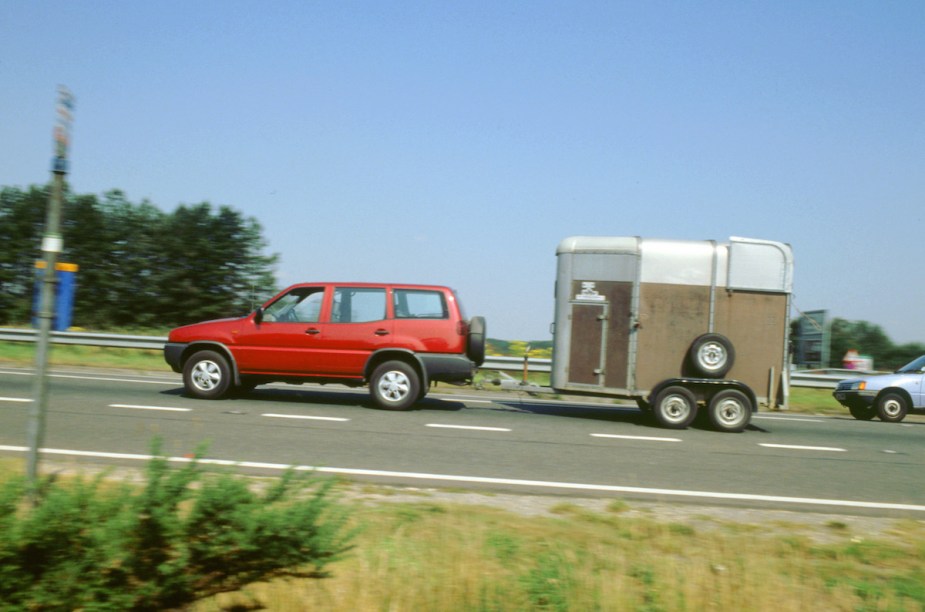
[{"x": 357, "y": 326}]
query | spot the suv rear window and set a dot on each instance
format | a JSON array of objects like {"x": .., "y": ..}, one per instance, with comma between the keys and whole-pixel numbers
[{"x": 418, "y": 304}]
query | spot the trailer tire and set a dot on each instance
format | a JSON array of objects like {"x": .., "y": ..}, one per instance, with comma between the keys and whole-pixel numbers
[
  {"x": 675, "y": 407},
  {"x": 711, "y": 355},
  {"x": 475, "y": 343},
  {"x": 730, "y": 410}
]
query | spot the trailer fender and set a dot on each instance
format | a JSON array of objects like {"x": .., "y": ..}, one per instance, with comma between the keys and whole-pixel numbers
[{"x": 703, "y": 389}]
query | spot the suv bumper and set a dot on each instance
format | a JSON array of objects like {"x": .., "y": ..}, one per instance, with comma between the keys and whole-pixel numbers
[
  {"x": 447, "y": 367},
  {"x": 173, "y": 352}
]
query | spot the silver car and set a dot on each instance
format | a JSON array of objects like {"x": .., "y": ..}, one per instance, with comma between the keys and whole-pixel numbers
[{"x": 888, "y": 396}]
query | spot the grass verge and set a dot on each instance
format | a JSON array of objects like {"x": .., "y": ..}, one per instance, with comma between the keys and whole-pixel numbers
[{"x": 424, "y": 551}]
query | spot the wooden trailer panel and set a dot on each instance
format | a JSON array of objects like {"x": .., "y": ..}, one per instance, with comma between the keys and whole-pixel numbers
[
  {"x": 755, "y": 323},
  {"x": 670, "y": 318}
]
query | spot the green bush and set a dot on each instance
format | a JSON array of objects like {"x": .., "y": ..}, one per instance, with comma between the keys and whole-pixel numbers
[{"x": 184, "y": 535}]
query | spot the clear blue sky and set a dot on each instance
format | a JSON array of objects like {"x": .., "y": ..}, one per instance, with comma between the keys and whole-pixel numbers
[{"x": 458, "y": 142}]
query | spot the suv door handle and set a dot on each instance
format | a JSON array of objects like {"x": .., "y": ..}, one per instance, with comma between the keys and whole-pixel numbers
[
  {"x": 312, "y": 331},
  {"x": 382, "y": 332}
]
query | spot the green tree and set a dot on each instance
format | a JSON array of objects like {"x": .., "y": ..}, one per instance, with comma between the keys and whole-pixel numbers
[
  {"x": 138, "y": 266},
  {"x": 869, "y": 339},
  {"x": 210, "y": 266},
  {"x": 22, "y": 214}
]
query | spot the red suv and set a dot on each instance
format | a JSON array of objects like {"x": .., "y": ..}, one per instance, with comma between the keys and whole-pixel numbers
[{"x": 396, "y": 338}]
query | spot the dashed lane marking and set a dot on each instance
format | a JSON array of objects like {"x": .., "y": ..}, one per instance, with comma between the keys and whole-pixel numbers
[
  {"x": 302, "y": 416},
  {"x": 829, "y": 449},
  {"x": 472, "y": 427},
  {"x": 161, "y": 408},
  {"x": 643, "y": 438}
]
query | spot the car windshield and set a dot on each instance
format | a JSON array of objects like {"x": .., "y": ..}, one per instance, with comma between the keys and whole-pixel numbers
[{"x": 913, "y": 366}]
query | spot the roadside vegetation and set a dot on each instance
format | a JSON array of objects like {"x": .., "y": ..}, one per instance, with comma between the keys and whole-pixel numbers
[
  {"x": 94, "y": 544},
  {"x": 99, "y": 543}
]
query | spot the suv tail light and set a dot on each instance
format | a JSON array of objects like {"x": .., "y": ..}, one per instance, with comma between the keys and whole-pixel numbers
[{"x": 462, "y": 328}]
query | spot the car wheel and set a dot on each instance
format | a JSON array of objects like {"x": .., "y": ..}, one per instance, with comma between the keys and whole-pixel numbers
[
  {"x": 711, "y": 355},
  {"x": 395, "y": 385},
  {"x": 730, "y": 410},
  {"x": 863, "y": 413},
  {"x": 892, "y": 407},
  {"x": 206, "y": 375},
  {"x": 675, "y": 407},
  {"x": 475, "y": 345}
]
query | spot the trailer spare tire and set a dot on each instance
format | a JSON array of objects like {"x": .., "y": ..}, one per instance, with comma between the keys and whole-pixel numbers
[
  {"x": 711, "y": 355},
  {"x": 475, "y": 343}
]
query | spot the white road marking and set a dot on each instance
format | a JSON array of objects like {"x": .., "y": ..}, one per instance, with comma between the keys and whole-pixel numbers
[
  {"x": 777, "y": 418},
  {"x": 104, "y": 378},
  {"x": 163, "y": 408},
  {"x": 644, "y": 438},
  {"x": 302, "y": 416},
  {"x": 809, "y": 448},
  {"x": 15, "y": 399},
  {"x": 468, "y": 427},
  {"x": 569, "y": 486}
]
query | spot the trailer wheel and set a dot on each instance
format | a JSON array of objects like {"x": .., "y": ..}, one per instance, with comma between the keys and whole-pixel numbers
[
  {"x": 730, "y": 410},
  {"x": 892, "y": 408},
  {"x": 675, "y": 407},
  {"x": 475, "y": 344},
  {"x": 712, "y": 355}
]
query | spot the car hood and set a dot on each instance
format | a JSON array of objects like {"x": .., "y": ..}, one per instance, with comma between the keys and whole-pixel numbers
[
  {"x": 185, "y": 332},
  {"x": 881, "y": 381}
]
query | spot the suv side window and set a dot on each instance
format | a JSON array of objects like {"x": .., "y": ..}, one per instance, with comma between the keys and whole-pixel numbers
[
  {"x": 358, "y": 304},
  {"x": 302, "y": 305},
  {"x": 416, "y": 304}
]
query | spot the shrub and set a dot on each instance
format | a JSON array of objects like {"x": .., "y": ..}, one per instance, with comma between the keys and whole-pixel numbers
[{"x": 184, "y": 535}]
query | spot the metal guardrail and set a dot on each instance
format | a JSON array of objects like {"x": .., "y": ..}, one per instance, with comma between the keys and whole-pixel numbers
[
  {"x": 819, "y": 379},
  {"x": 86, "y": 339}
]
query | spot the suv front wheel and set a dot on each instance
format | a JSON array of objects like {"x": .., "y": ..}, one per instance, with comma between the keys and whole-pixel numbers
[
  {"x": 395, "y": 385},
  {"x": 206, "y": 375}
]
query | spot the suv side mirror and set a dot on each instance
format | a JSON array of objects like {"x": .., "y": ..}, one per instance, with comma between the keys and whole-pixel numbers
[{"x": 258, "y": 315}]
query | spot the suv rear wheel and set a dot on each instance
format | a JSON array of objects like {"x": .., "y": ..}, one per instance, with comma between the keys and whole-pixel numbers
[{"x": 395, "y": 385}]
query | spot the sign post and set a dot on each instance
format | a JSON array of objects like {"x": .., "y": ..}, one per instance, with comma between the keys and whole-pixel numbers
[{"x": 52, "y": 245}]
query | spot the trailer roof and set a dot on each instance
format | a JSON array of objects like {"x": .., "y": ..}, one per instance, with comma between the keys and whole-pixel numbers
[{"x": 740, "y": 263}]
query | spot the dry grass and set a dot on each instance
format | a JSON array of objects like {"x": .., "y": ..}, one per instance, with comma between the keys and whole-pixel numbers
[
  {"x": 444, "y": 556},
  {"x": 452, "y": 550}
]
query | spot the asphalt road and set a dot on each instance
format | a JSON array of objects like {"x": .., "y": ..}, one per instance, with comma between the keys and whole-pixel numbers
[{"x": 484, "y": 441}]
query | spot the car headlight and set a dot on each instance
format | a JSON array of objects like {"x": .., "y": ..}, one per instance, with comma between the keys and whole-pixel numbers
[{"x": 859, "y": 385}]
